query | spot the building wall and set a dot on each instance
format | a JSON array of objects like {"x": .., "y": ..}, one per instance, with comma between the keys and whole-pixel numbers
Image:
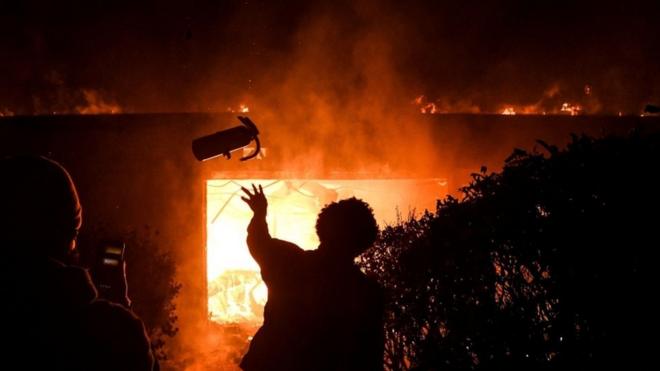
[{"x": 137, "y": 170}]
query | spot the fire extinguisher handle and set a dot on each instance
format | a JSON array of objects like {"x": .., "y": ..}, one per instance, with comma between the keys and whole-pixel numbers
[
  {"x": 255, "y": 135},
  {"x": 249, "y": 124},
  {"x": 256, "y": 150}
]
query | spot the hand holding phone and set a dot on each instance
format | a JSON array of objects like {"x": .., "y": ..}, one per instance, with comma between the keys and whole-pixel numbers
[{"x": 110, "y": 273}]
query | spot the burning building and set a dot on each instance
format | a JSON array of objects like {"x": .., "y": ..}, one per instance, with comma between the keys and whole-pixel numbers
[
  {"x": 236, "y": 292},
  {"x": 336, "y": 89},
  {"x": 136, "y": 170}
]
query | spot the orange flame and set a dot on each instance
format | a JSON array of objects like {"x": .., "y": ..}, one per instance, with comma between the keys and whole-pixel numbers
[
  {"x": 242, "y": 108},
  {"x": 509, "y": 111},
  {"x": 236, "y": 293},
  {"x": 572, "y": 109}
]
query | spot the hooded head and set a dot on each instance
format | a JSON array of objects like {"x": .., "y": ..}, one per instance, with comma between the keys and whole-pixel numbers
[{"x": 40, "y": 212}]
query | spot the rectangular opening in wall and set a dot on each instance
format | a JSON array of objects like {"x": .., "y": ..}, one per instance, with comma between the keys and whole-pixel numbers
[{"x": 236, "y": 293}]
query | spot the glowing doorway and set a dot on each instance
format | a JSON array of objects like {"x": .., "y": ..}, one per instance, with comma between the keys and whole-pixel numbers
[{"x": 236, "y": 293}]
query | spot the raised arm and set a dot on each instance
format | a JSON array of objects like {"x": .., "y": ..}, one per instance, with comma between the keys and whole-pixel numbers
[
  {"x": 258, "y": 236},
  {"x": 272, "y": 255}
]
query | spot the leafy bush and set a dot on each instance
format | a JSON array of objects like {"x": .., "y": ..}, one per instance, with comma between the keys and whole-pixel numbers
[
  {"x": 544, "y": 265},
  {"x": 152, "y": 286}
]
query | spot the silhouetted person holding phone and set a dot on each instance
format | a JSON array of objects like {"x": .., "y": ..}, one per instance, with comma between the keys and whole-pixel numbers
[
  {"x": 322, "y": 312},
  {"x": 51, "y": 317}
]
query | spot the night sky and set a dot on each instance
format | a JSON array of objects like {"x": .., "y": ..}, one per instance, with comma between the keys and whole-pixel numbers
[{"x": 209, "y": 55}]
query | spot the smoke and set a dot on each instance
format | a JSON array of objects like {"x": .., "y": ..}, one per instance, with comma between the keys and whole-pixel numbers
[
  {"x": 332, "y": 84},
  {"x": 341, "y": 91},
  {"x": 206, "y": 56},
  {"x": 57, "y": 96}
]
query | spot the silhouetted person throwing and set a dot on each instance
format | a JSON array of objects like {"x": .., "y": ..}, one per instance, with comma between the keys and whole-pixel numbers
[
  {"x": 322, "y": 312},
  {"x": 51, "y": 317}
]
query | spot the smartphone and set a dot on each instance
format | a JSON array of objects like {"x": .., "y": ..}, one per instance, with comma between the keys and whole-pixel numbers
[
  {"x": 113, "y": 254},
  {"x": 109, "y": 270}
]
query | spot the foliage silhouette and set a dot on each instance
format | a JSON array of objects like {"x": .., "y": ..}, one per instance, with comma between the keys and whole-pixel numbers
[{"x": 544, "y": 265}]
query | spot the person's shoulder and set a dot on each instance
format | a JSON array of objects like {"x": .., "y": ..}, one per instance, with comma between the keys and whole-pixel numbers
[
  {"x": 106, "y": 313},
  {"x": 107, "y": 320},
  {"x": 371, "y": 288},
  {"x": 286, "y": 249},
  {"x": 117, "y": 335},
  {"x": 67, "y": 285},
  {"x": 112, "y": 322},
  {"x": 286, "y": 245}
]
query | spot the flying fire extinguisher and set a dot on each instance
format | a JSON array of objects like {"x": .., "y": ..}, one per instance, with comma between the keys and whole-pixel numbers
[{"x": 224, "y": 142}]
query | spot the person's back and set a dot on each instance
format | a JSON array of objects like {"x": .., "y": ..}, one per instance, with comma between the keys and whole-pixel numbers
[
  {"x": 52, "y": 318},
  {"x": 322, "y": 312}
]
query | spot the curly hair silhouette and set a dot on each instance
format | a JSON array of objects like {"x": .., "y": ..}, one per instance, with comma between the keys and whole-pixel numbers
[{"x": 347, "y": 225}]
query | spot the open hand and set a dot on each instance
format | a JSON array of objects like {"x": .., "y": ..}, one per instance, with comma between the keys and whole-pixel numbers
[{"x": 256, "y": 200}]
